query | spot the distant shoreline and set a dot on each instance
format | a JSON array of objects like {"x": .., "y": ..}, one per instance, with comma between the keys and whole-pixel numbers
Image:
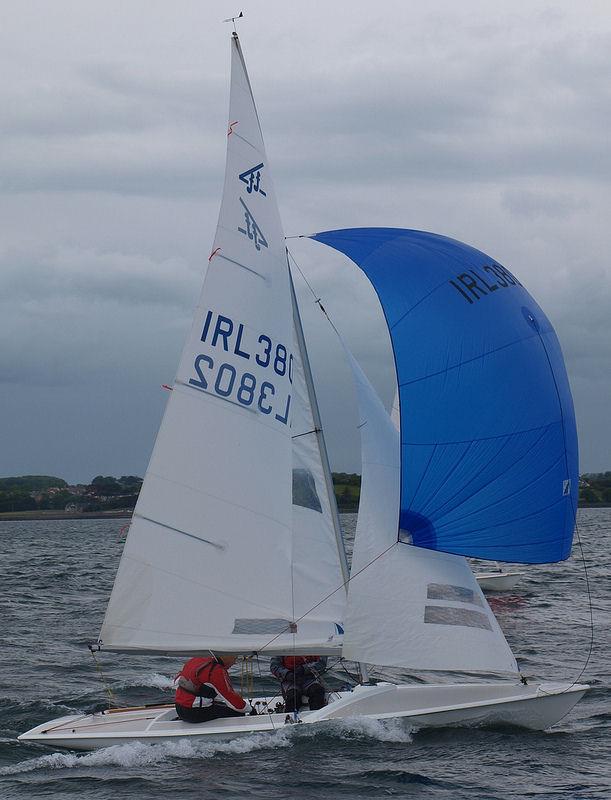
[{"x": 15, "y": 516}]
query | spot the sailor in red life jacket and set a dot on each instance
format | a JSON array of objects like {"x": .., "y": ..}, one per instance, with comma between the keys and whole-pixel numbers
[
  {"x": 204, "y": 691},
  {"x": 298, "y": 676}
]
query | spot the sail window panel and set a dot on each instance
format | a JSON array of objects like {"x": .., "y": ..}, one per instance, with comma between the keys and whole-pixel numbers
[
  {"x": 447, "y": 591},
  {"x": 304, "y": 490},
  {"x": 271, "y": 626},
  {"x": 448, "y": 615}
]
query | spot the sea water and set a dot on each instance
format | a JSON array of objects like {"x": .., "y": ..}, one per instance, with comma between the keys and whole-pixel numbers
[{"x": 56, "y": 577}]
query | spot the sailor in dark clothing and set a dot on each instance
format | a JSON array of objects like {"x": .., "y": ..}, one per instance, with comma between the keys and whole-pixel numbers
[{"x": 299, "y": 676}]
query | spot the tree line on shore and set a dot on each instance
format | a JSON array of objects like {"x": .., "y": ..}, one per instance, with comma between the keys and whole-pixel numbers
[
  {"x": 49, "y": 493},
  {"x": 107, "y": 493}
]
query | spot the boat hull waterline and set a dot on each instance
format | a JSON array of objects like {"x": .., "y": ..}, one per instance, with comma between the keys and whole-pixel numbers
[{"x": 533, "y": 706}]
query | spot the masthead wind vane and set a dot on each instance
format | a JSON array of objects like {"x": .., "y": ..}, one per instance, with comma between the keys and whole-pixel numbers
[{"x": 233, "y": 19}]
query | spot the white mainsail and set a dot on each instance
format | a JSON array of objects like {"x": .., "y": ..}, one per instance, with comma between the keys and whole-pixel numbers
[
  {"x": 409, "y": 607},
  {"x": 208, "y": 562}
]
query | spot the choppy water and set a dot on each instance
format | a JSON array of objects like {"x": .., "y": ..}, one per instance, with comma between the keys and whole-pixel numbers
[{"x": 56, "y": 578}]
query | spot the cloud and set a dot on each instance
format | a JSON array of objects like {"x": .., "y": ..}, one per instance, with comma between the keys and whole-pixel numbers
[
  {"x": 73, "y": 313},
  {"x": 489, "y": 125},
  {"x": 541, "y": 203}
]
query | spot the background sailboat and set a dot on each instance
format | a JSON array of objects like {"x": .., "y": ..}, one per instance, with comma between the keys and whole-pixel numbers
[
  {"x": 500, "y": 581},
  {"x": 235, "y": 544}
]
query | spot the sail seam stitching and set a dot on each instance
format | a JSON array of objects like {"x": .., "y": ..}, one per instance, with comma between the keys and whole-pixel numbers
[
  {"x": 467, "y": 361},
  {"x": 220, "y": 499},
  {"x": 485, "y": 438},
  {"x": 496, "y": 477},
  {"x": 511, "y": 521}
]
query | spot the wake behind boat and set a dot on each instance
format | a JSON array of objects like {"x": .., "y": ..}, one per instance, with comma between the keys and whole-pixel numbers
[{"x": 235, "y": 545}]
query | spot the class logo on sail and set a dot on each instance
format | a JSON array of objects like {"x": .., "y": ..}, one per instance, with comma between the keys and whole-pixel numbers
[{"x": 252, "y": 178}]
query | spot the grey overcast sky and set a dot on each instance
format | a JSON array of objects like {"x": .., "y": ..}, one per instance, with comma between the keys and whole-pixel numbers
[{"x": 487, "y": 122}]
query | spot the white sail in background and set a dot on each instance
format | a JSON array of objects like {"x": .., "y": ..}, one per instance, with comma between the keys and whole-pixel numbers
[
  {"x": 317, "y": 568},
  {"x": 409, "y": 607},
  {"x": 208, "y": 560}
]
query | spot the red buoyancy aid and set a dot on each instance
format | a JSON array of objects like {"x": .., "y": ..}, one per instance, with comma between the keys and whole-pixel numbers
[
  {"x": 291, "y": 662},
  {"x": 199, "y": 671}
]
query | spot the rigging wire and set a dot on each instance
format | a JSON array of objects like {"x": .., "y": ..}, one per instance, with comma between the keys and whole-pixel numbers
[
  {"x": 307, "y": 282},
  {"x": 591, "y": 613},
  {"x": 105, "y": 684},
  {"x": 293, "y": 626},
  {"x": 317, "y": 299},
  {"x": 573, "y": 509},
  {"x": 591, "y": 646},
  {"x": 266, "y": 704},
  {"x": 293, "y": 629},
  {"x": 587, "y": 579},
  {"x": 246, "y": 676}
]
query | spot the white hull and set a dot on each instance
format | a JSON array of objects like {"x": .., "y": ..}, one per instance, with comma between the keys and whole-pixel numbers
[
  {"x": 498, "y": 581},
  {"x": 536, "y": 706}
]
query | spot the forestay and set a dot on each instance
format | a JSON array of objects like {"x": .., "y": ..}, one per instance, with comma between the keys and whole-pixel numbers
[
  {"x": 488, "y": 439},
  {"x": 409, "y": 607},
  {"x": 208, "y": 562}
]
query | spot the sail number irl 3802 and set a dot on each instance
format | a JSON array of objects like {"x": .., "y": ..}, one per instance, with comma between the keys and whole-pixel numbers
[{"x": 264, "y": 383}]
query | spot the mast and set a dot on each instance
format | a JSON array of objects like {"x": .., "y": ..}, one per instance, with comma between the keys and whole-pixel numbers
[{"x": 322, "y": 447}]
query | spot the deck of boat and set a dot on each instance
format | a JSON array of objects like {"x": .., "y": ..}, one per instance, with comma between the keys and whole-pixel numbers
[{"x": 535, "y": 706}]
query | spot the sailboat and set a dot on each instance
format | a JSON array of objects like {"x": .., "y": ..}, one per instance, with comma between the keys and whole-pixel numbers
[
  {"x": 235, "y": 543},
  {"x": 500, "y": 581}
]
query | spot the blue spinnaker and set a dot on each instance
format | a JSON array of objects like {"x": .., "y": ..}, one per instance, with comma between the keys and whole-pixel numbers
[{"x": 488, "y": 442}]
